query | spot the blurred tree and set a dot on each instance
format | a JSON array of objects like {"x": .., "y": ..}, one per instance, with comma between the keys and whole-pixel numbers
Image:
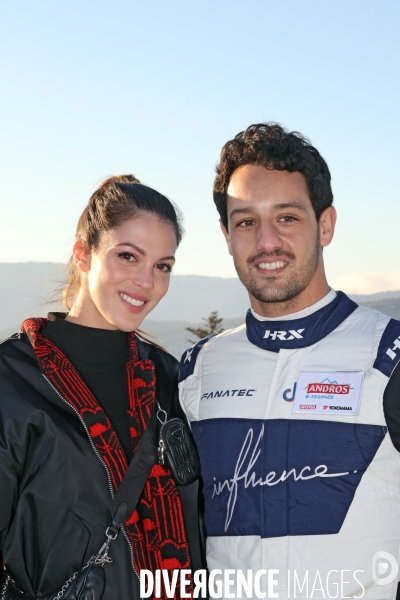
[{"x": 212, "y": 327}]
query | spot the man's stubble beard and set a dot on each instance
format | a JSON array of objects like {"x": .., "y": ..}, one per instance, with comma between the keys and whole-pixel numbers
[{"x": 296, "y": 284}]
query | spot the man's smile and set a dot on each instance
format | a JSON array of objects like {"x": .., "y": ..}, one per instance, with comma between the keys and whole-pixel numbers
[{"x": 272, "y": 266}]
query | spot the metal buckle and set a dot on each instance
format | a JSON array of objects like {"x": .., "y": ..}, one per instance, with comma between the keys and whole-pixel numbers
[{"x": 160, "y": 413}]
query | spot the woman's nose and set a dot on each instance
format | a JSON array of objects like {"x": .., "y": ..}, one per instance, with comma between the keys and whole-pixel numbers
[{"x": 144, "y": 278}]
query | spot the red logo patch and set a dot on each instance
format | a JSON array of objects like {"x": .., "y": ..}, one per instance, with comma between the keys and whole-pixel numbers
[{"x": 328, "y": 388}]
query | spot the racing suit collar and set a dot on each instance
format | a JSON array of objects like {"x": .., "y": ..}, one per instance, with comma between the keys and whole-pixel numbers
[
  {"x": 330, "y": 296},
  {"x": 302, "y": 332}
]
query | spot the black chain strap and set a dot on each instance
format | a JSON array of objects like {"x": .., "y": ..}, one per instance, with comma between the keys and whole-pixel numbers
[
  {"x": 101, "y": 558},
  {"x": 5, "y": 587}
]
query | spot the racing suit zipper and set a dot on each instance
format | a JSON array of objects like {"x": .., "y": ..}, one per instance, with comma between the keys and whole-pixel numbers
[{"x": 102, "y": 462}]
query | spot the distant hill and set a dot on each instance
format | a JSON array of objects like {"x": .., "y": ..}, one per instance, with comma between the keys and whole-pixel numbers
[
  {"x": 390, "y": 307},
  {"x": 173, "y": 336},
  {"x": 26, "y": 287}
]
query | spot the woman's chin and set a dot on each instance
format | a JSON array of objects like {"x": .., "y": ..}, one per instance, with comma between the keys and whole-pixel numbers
[{"x": 129, "y": 322}]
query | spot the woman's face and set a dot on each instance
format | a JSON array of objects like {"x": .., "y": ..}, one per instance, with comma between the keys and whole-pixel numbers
[{"x": 127, "y": 275}]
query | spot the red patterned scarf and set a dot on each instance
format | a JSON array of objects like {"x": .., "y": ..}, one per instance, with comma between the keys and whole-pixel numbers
[{"x": 156, "y": 528}]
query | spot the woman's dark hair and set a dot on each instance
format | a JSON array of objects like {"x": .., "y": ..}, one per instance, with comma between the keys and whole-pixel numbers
[
  {"x": 271, "y": 146},
  {"x": 117, "y": 199}
]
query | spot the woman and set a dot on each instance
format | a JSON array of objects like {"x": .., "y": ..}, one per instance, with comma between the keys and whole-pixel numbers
[{"x": 76, "y": 397}]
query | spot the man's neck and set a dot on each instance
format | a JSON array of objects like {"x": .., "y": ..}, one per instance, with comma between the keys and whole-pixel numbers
[
  {"x": 315, "y": 291},
  {"x": 304, "y": 312}
]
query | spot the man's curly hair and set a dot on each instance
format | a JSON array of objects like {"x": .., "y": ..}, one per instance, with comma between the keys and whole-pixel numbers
[{"x": 270, "y": 145}]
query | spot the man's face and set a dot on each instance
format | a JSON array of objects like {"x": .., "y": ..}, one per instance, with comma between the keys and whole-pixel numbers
[{"x": 275, "y": 239}]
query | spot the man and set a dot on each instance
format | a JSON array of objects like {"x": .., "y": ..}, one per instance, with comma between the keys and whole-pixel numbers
[{"x": 299, "y": 473}]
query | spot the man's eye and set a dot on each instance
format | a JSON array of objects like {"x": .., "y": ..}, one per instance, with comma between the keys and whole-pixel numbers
[
  {"x": 164, "y": 268},
  {"x": 287, "y": 219},
  {"x": 245, "y": 223},
  {"x": 127, "y": 256}
]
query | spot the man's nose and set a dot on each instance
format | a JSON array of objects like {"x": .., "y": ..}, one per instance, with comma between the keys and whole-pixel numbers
[
  {"x": 268, "y": 238},
  {"x": 144, "y": 277}
]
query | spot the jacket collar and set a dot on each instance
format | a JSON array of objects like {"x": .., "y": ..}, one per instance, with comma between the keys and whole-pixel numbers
[{"x": 299, "y": 333}]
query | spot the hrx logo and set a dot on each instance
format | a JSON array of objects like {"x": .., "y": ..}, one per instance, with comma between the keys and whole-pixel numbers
[
  {"x": 282, "y": 335},
  {"x": 396, "y": 346}
]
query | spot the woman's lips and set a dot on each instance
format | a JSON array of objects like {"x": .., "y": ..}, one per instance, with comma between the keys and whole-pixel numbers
[{"x": 134, "y": 304}]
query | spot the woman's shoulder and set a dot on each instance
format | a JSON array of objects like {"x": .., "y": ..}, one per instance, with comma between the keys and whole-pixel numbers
[
  {"x": 18, "y": 367},
  {"x": 16, "y": 346},
  {"x": 22, "y": 387},
  {"x": 157, "y": 354},
  {"x": 164, "y": 354}
]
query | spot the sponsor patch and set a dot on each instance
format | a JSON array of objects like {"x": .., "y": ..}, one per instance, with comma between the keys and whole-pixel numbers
[
  {"x": 230, "y": 393},
  {"x": 336, "y": 393}
]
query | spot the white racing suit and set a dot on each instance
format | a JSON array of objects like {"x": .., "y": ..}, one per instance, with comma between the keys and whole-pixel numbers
[{"x": 299, "y": 473}]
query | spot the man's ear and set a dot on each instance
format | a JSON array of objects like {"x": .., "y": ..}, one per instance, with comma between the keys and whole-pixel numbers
[
  {"x": 226, "y": 235},
  {"x": 81, "y": 256},
  {"x": 327, "y": 224}
]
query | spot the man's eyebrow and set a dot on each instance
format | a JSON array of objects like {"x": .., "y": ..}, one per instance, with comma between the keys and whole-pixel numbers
[
  {"x": 285, "y": 205},
  {"x": 240, "y": 211},
  {"x": 142, "y": 252},
  {"x": 281, "y": 206}
]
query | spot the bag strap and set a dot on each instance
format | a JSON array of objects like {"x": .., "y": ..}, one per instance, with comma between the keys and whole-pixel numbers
[
  {"x": 134, "y": 480},
  {"x": 128, "y": 495},
  {"x": 189, "y": 494},
  {"x": 194, "y": 526}
]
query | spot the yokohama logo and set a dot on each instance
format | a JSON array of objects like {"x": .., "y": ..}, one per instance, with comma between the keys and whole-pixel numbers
[{"x": 328, "y": 388}]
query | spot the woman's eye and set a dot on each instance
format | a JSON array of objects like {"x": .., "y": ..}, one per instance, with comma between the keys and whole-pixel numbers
[
  {"x": 127, "y": 256},
  {"x": 164, "y": 268}
]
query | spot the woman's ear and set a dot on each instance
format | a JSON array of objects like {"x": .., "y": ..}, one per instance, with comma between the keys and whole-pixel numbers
[{"x": 81, "y": 256}]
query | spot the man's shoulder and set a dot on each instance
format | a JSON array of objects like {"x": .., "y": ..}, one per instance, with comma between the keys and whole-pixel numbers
[
  {"x": 388, "y": 353},
  {"x": 214, "y": 344},
  {"x": 384, "y": 336}
]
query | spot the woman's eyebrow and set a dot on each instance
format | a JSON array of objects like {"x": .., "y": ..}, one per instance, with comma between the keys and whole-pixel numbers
[
  {"x": 167, "y": 258},
  {"x": 140, "y": 250},
  {"x": 143, "y": 252}
]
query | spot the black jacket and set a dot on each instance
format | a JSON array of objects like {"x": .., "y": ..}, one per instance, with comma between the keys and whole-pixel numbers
[{"x": 54, "y": 491}]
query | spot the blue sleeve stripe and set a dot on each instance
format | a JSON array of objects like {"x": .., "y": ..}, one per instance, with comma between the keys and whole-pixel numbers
[
  {"x": 189, "y": 358},
  {"x": 389, "y": 349}
]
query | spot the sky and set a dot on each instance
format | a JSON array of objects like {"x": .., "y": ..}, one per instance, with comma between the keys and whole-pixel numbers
[{"x": 94, "y": 88}]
